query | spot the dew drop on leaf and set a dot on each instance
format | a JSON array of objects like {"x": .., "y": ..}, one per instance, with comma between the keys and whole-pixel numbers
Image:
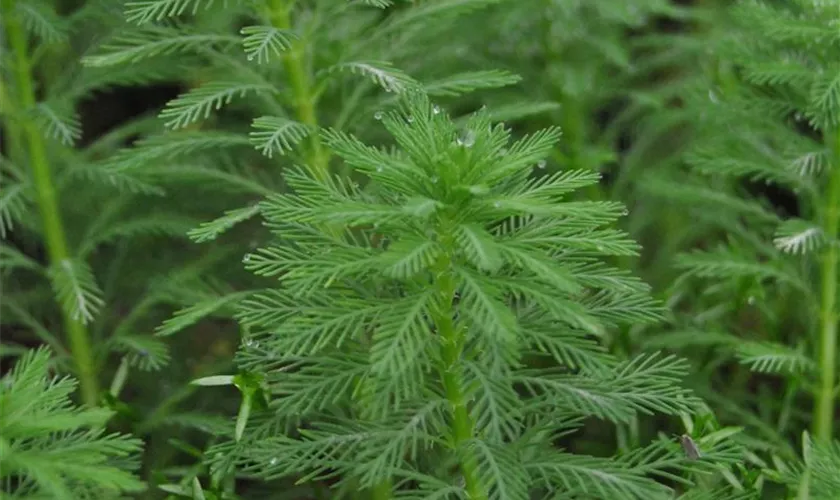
[
  {"x": 410, "y": 119},
  {"x": 273, "y": 461},
  {"x": 377, "y": 115},
  {"x": 467, "y": 139},
  {"x": 436, "y": 109},
  {"x": 246, "y": 258},
  {"x": 541, "y": 164},
  {"x": 497, "y": 204},
  {"x": 379, "y": 168},
  {"x": 434, "y": 180}
]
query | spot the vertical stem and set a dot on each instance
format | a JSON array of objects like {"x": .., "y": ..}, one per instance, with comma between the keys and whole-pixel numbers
[
  {"x": 824, "y": 417},
  {"x": 15, "y": 147},
  {"x": 54, "y": 235},
  {"x": 279, "y": 13},
  {"x": 452, "y": 340},
  {"x": 318, "y": 158}
]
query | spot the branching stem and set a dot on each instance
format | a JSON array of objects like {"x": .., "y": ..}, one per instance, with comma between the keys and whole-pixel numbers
[
  {"x": 824, "y": 413},
  {"x": 56, "y": 241}
]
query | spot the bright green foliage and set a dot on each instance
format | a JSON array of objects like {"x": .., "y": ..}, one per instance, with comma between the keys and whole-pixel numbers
[
  {"x": 815, "y": 477},
  {"x": 768, "y": 114},
  {"x": 52, "y": 448},
  {"x": 292, "y": 69},
  {"x": 310, "y": 44},
  {"x": 62, "y": 194},
  {"x": 576, "y": 60},
  {"x": 413, "y": 303},
  {"x": 451, "y": 319},
  {"x": 94, "y": 252}
]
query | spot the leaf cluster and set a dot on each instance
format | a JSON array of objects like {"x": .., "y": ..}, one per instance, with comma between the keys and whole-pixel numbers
[
  {"x": 51, "y": 447},
  {"x": 395, "y": 343}
]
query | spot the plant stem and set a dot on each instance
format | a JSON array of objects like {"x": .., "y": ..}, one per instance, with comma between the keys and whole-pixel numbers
[
  {"x": 15, "y": 148},
  {"x": 318, "y": 159},
  {"x": 56, "y": 242},
  {"x": 302, "y": 89},
  {"x": 452, "y": 340},
  {"x": 824, "y": 417}
]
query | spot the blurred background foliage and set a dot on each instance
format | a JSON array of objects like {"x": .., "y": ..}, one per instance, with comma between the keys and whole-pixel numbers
[{"x": 642, "y": 90}]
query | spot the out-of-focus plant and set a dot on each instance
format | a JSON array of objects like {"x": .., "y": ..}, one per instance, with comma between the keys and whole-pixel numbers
[{"x": 757, "y": 300}]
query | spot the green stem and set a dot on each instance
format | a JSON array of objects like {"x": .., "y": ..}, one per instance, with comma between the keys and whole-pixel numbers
[
  {"x": 56, "y": 241},
  {"x": 279, "y": 13},
  {"x": 452, "y": 339},
  {"x": 824, "y": 414},
  {"x": 318, "y": 158},
  {"x": 15, "y": 148}
]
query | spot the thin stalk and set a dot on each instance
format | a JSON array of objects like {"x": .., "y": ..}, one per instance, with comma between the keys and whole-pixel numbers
[
  {"x": 56, "y": 241},
  {"x": 15, "y": 148},
  {"x": 303, "y": 95},
  {"x": 452, "y": 339},
  {"x": 824, "y": 413}
]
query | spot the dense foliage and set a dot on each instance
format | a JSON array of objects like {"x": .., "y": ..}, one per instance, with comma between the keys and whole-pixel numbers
[{"x": 375, "y": 249}]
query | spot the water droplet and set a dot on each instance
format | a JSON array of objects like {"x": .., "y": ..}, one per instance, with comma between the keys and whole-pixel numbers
[
  {"x": 273, "y": 461},
  {"x": 467, "y": 139},
  {"x": 379, "y": 168},
  {"x": 377, "y": 115},
  {"x": 246, "y": 258},
  {"x": 250, "y": 58},
  {"x": 410, "y": 119},
  {"x": 625, "y": 212},
  {"x": 434, "y": 179},
  {"x": 713, "y": 97},
  {"x": 751, "y": 300},
  {"x": 541, "y": 164},
  {"x": 799, "y": 116},
  {"x": 600, "y": 248},
  {"x": 436, "y": 109},
  {"x": 249, "y": 342},
  {"x": 497, "y": 204}
]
